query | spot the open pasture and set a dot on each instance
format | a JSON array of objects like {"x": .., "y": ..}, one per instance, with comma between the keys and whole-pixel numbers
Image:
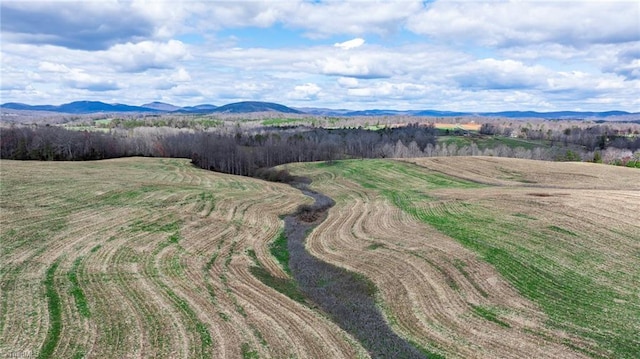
[
  {"x": 472, "y": 257},
  {"x": 143, "y": 258},
  {"x": 491, "y": 257},
  {"x": 468, "y": 126}
]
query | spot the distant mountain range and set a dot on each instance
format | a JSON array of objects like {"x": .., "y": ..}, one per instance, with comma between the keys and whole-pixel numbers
[{"x": 88, "y": 107}]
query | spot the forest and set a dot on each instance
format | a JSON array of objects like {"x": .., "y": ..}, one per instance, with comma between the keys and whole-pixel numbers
[{"x": 248, "y": 150}]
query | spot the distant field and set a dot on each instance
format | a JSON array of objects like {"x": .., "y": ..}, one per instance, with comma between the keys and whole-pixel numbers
[
  {"x": 472, "y": 257},
  {"x": 492, "y": 257},
  {"x": 485, "y": 142},
  {"x": 471, "y": 126}
]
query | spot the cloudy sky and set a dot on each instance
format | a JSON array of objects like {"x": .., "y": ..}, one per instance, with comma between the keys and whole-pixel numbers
[{"x": 447, "y": 55}]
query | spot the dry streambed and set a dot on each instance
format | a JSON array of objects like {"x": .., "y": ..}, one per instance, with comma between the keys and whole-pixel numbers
[{"x": 348, "y": 298}]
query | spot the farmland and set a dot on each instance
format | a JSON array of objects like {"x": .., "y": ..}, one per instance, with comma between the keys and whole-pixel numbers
[
  {"x": 491, "y": 257},
  {"x": 472, "y": 257},
  {"x": 135, "y": 258}
]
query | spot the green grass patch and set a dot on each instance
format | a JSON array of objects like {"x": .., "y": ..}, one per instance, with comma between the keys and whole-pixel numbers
[
  {"x": 573, "y": 300},
  {"x": 174, "y": 238},
  {"x": 205, "y": 337},
  {"x": 562, "y": 230},
  {"x": 156, "y": 226},
  {"x": 279, "y": 250},
  {"x": 370, "y": 174},
  {"x": 224, "y": 316},
  {"x": 375, "y": 246},
  {"x": 206, "y": 342},
  {"x": 489, "y": 314},
  {"x": 103, "y": 122},
  {"x": 288, "y": 287},
  {"x": 280, "y": 121},
  {"x": 248, "y": 353},
  {"x": 524, "y": 215},
  {"x": 461, "y": 267},
  {"x": 122, "y": 197},
  {"x": 76, "y": 291},
  {"x": 55, "y": 314},
  {"x": 211, "y": 261},
  {"x": 426, "y": 352},
  {"x": 207, "y": 199},
  {"x": 486, "y": 142}
]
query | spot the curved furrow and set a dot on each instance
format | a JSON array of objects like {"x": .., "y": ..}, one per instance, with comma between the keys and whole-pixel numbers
[
  {"x": 287, "y": 323},
  {"x": 430, "y": 286},
  {"x": 25, "y": 315},
  {"x": 443, "y": 305}
]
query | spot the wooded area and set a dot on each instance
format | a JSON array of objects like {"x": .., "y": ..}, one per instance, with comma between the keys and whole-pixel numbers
[{"x": 245, "y": 151}]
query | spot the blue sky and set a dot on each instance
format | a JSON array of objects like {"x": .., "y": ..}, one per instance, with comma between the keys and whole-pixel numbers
[{"x": 459, "y": 55}]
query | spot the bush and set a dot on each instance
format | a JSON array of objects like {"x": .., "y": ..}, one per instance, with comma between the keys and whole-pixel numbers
[{"x": 274, "y": 175}]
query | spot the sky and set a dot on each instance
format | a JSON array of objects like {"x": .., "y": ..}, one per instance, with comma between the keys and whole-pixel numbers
[{"x": 461, "y": 55}]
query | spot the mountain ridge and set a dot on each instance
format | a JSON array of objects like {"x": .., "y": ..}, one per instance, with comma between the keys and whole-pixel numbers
[{"x": 88, "y": 107}]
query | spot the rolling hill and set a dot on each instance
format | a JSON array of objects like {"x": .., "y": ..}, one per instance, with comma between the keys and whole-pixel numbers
[
  {"x": 87, "y": 107},
  {"x": 254, "y": 106},
  {"x": 79, "y": 107},
  {"x": 479, "y": 258}
]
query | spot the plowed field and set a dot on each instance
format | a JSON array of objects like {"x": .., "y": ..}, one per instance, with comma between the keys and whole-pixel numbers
[
  {"x": 471, "y": 258},
  {"x": 491, "y": 257},
  {"x": 141, "y": 258}
]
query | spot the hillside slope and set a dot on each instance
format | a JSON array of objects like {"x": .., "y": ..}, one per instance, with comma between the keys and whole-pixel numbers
[
  {"x": 142, "y": 258},
  {"x": 491, "y": 257}
]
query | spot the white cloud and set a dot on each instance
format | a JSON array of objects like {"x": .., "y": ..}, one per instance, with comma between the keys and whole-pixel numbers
[
  {"x": 146, "y": 55},
  {"x": 77, "y": 78},
  {"x": 308, "y": 91},
  {"x": 499, "y": 74},
  {"x": 404, "y": 91},
  {"x": 359, "y": 66},
  {"x": 53, "y": 67},
  {"x": 468, "y": 55},
  {"x": 515, "y": 23},
  {"x": 320, "y": 19},
  {"x": 348, "y": 82},
  {"x": 88, "y": 25},
  {"x": 351, "y": 44},
  {"x": 181, "y": 75},
  {"x": 625, "y": 63},
  {"x": 315, "y": 19}
]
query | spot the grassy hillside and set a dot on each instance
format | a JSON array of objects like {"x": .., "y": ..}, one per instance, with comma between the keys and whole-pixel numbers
[
  {"x": 471, "y": 257},
  {"x": 143, "y": 258},
  {"x": 491, "y": 257}
]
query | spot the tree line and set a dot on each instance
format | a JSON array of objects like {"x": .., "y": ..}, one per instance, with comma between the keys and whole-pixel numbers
[
  {"x": 591, "y": 138},
  {"x": 248, "y": 151},
  {"x": 240, "y": 152}
]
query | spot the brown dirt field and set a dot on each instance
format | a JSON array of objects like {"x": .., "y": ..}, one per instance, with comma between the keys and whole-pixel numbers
[
  {"x": 161, "y": 250},
  {"x": 429, "y": 283},
  {"x": 532, "y": 173},
  {"x": 412, "y": 269},
  {"x": 465, "y": 126}
]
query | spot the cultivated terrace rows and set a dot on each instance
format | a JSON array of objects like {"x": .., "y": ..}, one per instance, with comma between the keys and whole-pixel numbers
[
  {"x": 142, "y": 258},
  {"x": 491, "y": 257},
  {"x": 470, "y": 257}
]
